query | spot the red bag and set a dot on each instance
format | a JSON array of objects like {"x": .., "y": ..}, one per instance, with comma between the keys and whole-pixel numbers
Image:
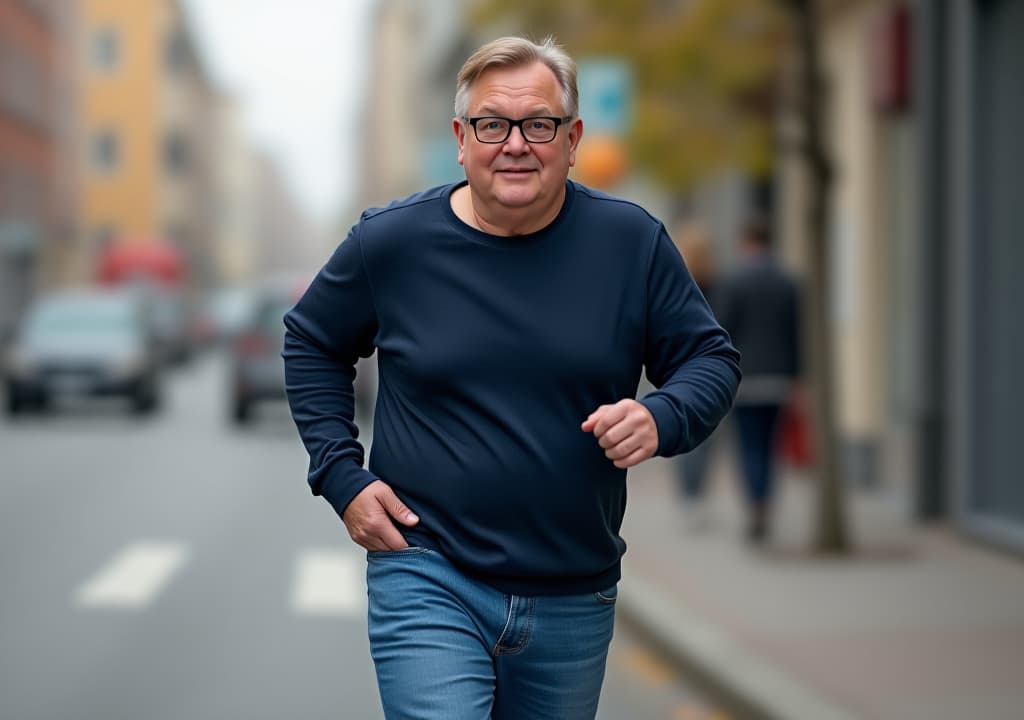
[{"x": 795, "y": 442}]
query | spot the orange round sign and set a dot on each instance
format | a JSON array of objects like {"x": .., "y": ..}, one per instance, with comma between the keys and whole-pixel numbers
[{"x": 601, "y": 161}]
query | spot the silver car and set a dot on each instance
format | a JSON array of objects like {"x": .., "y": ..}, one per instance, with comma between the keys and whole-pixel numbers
[{"x": 83, "y": 343}]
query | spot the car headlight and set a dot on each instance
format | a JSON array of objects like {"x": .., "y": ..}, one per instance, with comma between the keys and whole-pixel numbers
[
  {"x": 127, "y": 365},
  {"x": 18, "y": 363}
]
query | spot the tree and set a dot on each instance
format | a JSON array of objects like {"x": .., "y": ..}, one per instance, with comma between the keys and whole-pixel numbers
[{"x": 830, "y": 534}]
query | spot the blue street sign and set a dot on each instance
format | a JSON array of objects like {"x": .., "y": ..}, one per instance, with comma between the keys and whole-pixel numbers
[{"x": 606, "y": 95}]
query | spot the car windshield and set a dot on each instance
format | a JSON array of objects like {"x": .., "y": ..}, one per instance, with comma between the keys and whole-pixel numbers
[
  {"x": 231, "y": 308},
  {"x": 271, "y": 316},
  {"x": 86, "y": 317}
]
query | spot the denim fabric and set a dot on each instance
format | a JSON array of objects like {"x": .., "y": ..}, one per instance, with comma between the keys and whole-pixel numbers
[
  {"x": 448, "y": 647},
  {"x": 757, "y": 426}
]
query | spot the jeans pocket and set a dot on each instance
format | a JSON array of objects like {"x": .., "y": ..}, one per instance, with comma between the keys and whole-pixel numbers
[
  {"x": 609, "y": 596},
  {"x": 385, "y": 554}
]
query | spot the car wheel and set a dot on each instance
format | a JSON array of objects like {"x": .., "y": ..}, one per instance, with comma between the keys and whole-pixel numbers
[
  {"x": 14, "y": 404},
  {"x": 144, "y": 404},
  {"x": 241, "y": 411},
  {"x": 146, "y": 399}
]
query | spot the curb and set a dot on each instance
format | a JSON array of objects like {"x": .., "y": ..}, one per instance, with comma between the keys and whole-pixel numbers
[{"x": 747, "y": 685}]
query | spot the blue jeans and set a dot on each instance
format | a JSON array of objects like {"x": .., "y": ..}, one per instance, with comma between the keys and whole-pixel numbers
[
  {"x": 757, "y": 426},
  {"x": 447, "y": 647}
]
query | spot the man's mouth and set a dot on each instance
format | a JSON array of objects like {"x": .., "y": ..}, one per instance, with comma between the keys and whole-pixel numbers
[{"x": 516, "y": 171}]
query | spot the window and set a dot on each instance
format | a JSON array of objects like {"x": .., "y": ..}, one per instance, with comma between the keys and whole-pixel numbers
[
  {"x": 176, "y": 50},
  {"x": 103, "y": 236},
  {"x": 176, "y": 233},
  {"x": 176, "y": 154},
  {"x": 31, "y": 197},
  {"x": 43, "y": 9},
  {"x": 23, "y": 83},
  {"x": 105, "y": 49},
  {"x": 8, "y": 187},
  {"x": 105, "y": 151}
]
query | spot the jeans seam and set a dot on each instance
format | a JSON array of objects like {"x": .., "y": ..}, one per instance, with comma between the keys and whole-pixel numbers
[
  {"x": 524, "y": 636},
  {"x": 496, "y": 650}
]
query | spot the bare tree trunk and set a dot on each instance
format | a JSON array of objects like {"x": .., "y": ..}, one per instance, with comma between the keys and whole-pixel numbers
[{"x": 830, "y": 533}]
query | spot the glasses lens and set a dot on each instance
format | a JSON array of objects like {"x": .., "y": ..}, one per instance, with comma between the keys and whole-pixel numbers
[
  {"x": 491, "y": 129},
  {"x": 539, "y": 129}
]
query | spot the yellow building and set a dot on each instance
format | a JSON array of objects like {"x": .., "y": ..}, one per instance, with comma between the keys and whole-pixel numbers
[{"x": 144, "y": 104}]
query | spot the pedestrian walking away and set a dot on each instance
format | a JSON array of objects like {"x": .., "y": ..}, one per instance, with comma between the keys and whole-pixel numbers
[
  {"x": 512, "y": 315},
  {"x": 695, "y": 246},
  {"x": 759, "y": 306}
]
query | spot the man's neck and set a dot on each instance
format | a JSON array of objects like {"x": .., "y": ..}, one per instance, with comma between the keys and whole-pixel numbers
[{"x": 512, "y": 222}]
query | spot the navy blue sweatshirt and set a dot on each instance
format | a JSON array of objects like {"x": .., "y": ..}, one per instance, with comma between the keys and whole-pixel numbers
[{"x": 491, "y": 353}]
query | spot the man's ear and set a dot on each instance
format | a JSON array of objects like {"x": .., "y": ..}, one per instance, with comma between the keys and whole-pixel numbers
[
  {"x": 575, "y": 133},
  {"x": 459, "y": 128}
]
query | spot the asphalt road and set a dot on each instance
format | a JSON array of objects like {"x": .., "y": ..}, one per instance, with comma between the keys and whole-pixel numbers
[{"x": 176, "y": 567}]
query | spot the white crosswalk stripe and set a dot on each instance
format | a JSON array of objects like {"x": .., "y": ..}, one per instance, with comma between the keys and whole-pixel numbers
[
  {"x": 329, "y": 582},
  {"x": 325, "y": 581},
  {"x": 134, "y": 577}
]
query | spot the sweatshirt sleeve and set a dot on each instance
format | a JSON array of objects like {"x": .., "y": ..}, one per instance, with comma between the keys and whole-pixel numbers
[
  {"x": 328, "y": 330},
  {"x": 688, "y": 357}
]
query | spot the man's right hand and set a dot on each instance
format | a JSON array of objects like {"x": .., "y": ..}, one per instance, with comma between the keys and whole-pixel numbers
[{"x": 368, "y": 518}]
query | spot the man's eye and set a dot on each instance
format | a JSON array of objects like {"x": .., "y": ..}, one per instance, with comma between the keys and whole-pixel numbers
[{"x": 493, "y": 125}]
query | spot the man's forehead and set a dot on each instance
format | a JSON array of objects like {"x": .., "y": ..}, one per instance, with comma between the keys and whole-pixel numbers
[{"x": 530, "y": 87}]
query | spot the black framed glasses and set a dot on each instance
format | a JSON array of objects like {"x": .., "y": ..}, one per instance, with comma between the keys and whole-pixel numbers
[{"x": 492, "y": 129}]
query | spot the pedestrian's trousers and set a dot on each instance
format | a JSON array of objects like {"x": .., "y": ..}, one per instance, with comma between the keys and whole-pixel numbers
[
  {"x": 447, "y": 647},
  {"x": 757, "y": 426}
]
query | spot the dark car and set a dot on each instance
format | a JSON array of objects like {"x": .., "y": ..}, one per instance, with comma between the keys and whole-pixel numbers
[
  {"x": 257, "y": 370},
  {"x": 172, "y": 324},
  {"x": 83, "y": 343}
]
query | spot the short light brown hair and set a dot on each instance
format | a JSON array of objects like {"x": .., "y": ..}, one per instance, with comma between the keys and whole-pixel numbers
[{"x": 514, "y": 52}]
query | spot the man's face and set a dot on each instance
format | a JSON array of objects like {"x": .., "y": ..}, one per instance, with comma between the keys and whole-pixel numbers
[{"x": 516, "y": 174}]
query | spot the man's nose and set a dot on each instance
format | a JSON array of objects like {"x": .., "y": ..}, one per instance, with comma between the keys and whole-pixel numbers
[{"x": 516, "y": 141}]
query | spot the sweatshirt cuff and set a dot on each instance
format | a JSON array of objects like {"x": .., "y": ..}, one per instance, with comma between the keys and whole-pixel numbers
[
  {"x": 670, "y": 424},
  {"x": 341, "y": 487}
]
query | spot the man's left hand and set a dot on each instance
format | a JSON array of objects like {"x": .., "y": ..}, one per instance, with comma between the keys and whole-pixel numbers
[{"x": 626, "y": 431}]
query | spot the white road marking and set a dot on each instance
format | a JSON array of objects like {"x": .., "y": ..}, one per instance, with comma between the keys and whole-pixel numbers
[
  {"x": 134, "y": 577},
  {"x": 329, "y": 582}
]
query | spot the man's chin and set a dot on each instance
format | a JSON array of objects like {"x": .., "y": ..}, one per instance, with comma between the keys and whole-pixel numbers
[{"x": 516, "y": 197}]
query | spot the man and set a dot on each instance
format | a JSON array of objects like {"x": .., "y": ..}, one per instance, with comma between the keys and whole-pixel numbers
[
  {"x": 759, "y": 306},
  {"x": 512, "y": 315}
]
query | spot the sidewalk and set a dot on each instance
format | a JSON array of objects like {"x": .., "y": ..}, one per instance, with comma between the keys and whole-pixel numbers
[{"x": 918, "y": 623}]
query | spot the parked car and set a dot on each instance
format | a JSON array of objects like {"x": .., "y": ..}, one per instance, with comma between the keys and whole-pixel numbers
[
  {"x": 228, "y": 311},
  {"x": 172, "y": 323},
  {"x": 257, "y": 370},
  {"x": 83, "y": 343}
]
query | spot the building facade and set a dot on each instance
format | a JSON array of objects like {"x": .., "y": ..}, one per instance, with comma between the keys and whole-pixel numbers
[
  {"x": 37, "y": 170},
  {"x": 417, "y": 50},
  {"x": 146, "y": 107},
  {"x": 972, "y": 218},
  {"x": 923, "y": 121}
]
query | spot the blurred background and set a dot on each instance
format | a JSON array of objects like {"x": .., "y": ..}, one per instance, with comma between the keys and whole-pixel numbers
[{"x": 174, "y": 172}]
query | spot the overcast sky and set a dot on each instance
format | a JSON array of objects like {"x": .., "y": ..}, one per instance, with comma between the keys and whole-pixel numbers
[{"x": 296, "y": 66}]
